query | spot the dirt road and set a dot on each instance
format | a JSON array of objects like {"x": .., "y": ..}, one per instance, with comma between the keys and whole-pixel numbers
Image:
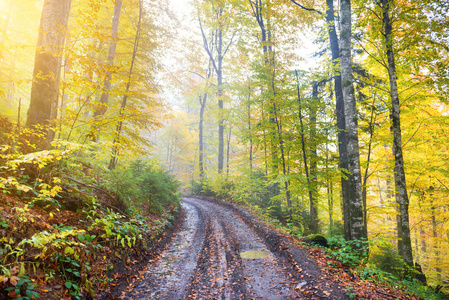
[{"x": 220, "y": 252}]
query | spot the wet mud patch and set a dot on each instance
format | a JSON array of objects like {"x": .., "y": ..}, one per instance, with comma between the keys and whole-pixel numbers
[
  {"x": 167, "y": 276},
  {"x": 255, "y": 254}
]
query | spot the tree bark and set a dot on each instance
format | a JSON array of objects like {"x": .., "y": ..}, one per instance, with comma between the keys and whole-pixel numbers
[
  {"x": 47, "y": 64},
  {"x": 340, "y": 111},
  {"x": 400, "y": 182},
  {"x": 356, "y": 230}
]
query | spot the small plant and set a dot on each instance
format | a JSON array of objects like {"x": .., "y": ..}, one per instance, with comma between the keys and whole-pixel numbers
[
  {"x": 23, "y": 288},
  {"x": 351, "y": 253}
]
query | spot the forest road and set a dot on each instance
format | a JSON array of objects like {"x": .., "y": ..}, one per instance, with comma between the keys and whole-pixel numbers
[{"x": 221, "y": 252}]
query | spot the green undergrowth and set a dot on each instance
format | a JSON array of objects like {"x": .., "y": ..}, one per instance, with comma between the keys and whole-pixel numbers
[{"x": 66, "y": 220}]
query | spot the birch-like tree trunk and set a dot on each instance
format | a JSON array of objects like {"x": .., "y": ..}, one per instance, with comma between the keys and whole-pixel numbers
[
  {"x": 399, "y": 178},
  {"x": 47, "y": 64},
  {"x": 356, "y": 230}
]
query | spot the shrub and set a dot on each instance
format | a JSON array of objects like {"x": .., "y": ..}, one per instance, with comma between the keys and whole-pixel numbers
[
  {"x": 350, "y": 253},
  {"x": 388, "y": 260},
  {"x": 160, "y": 188},
  {"x": 202, "y": 188}
]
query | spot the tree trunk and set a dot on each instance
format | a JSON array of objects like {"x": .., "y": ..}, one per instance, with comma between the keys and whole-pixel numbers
[
  {"x": 104, "y": 99},
  {"x": 118, "y": 131},
  {"x": 228, "y": 143},
  {"x": 249, "y": 131},
  {"x": 357, "y": 230},
  {"x": 340, "y": 111},
  {"x": 47, "y": 64},
  {"x": 258, "y": 11},
  {"x": 400, "y": 183},
  {"x": 220, "y": 101},
  {"x": 314, "y": 158},
  {"x": 366, "y": 175},
  {"x": 314, "y": 225},
  {"x": 201, "y": 136}
]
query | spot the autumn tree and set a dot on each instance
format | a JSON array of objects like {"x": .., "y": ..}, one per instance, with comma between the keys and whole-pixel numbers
[{"x": 47, "y": 64}]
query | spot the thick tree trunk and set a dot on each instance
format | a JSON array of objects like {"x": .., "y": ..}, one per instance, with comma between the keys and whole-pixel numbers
[
  {"x": 104, "y": 99},
  {"x": 47, "y": 64},
  {"x": 357, "y": 230},
  {"x": 400, "y": 182},
  {"x": 340, "y": 111}
]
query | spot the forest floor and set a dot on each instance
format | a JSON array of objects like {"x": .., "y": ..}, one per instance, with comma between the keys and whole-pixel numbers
[{"x": 220, "y": 251}]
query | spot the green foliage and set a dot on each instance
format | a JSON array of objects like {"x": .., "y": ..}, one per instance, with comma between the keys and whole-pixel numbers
[
  {"x": 144, "y": 184},
  {"x": 350, "y": 253},
  {"x": 202, "y": 188},
  {"x": 371, "y": 271},
  {"x": 160, "y": 188},
  {"x": 388, "y": 260},
  {"x": 123, "y": 183},
  {"x": 24, "y": 284},
  {"x": 222, "y": 186}
]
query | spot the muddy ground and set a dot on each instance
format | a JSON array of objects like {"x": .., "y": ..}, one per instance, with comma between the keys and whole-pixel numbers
[{"x": 221, "y": 252}]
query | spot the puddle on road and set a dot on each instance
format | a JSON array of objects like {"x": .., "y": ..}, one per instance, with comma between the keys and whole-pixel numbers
[{"x": 255, "y": 254}]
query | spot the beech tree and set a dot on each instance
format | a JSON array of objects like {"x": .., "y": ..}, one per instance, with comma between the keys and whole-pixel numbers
[
  {"x": 356, "y": 227},
  {"x": 47, "y": 64}
]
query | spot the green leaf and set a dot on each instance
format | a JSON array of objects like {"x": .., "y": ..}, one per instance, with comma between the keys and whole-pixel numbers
[
  {"x": 81, "y": 237},
  {"x": 68, "y": 284}
]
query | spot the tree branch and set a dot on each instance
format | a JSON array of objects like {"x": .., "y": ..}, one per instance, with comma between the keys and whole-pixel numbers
[
  {"x": 305, "y": 8},
  {"x": 206, "y": 47}
]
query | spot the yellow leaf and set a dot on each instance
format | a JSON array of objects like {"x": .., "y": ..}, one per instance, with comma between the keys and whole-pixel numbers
[{"x": 69, "y": 250}]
